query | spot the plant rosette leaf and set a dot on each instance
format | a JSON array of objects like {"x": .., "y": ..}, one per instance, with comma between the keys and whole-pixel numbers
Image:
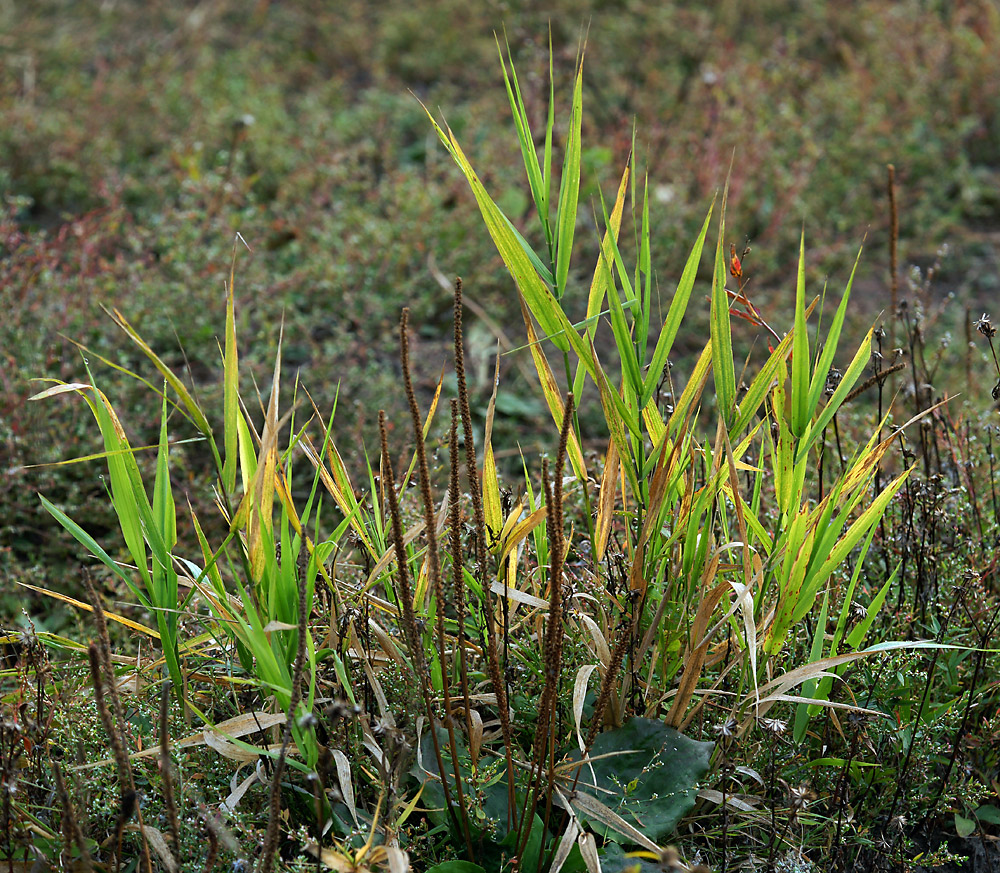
[
  {"x": 989, "y": 814},
  {"x": 651, "y": 772}
]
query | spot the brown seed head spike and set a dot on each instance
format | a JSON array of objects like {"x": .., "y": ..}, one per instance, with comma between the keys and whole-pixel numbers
[
  {"x": 110, "y": 728},
  {"x": 72, "y": 832},
  {"x": 422, "y": 468},
  {"x": 104, "y": 651},
  {"x": 434, "y": 561},
  {"x": 457, "y": 564},
  {"x": 479, "y": 518},
  {"x": 555, "y": 631},
  {"x": 404, "y": 595}
]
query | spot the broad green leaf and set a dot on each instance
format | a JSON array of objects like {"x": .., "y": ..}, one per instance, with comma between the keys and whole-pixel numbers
[
  {"x": 647, "y": 773},
  {"x": 964, "y": 827}
]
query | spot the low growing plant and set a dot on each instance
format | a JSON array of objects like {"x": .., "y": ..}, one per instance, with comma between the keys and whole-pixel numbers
[{"x": 508, "y": 680}]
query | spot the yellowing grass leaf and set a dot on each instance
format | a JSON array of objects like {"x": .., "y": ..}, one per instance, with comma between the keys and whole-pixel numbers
[
  {"x": 606, "y": 501},
  {"x": 569, "y": 187},
  {"x": 491, "y": 486},
  {"x": 553, "y": 396},
  {"x": 114, "y": 616},
  {"x": 194, "y": 410}
]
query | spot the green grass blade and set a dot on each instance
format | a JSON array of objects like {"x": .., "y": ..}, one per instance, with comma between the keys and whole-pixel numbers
[
  {"x": 809, "y": 688},
  {"x": 569, "y": 188},
  {"x": 532, "y": 255},
  {"x": 230, "y": 394},
  {"x": 164, "y": 511},
  {"x": 536, "y": 293},
  {"x": 602, "y": 280},
  {"x": 858, "y": 529},
  {"x": 857, "y": 636},
  {"x": 194, "y": 410},
  {"x": 722, "y": 338},
  {"x": 644, "y": 275},
  {"x": 851, "y": 375},
  {"x": 550, "y": 125},
  {"x": 830, "y": 346},
  {"x": 536, "y": 181},
  {"x": 553, "y": 396},
  {"x": 760, "y": 386},
  {"x": 89, "y": 543},
  {"x": 800, "y": 350},
  {"x": 672, "y": 323}
]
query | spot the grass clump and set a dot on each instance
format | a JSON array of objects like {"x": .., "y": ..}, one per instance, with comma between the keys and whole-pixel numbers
[{"x": 730, "y": 637}]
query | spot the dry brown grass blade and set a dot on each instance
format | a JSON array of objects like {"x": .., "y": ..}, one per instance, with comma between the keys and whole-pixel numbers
[
  {"x": 606, "y": 501},
  {"x": 695, "y": 660}
]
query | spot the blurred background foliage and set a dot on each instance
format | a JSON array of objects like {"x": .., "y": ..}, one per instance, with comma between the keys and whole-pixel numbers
[{"x": 137, "y": 139}]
